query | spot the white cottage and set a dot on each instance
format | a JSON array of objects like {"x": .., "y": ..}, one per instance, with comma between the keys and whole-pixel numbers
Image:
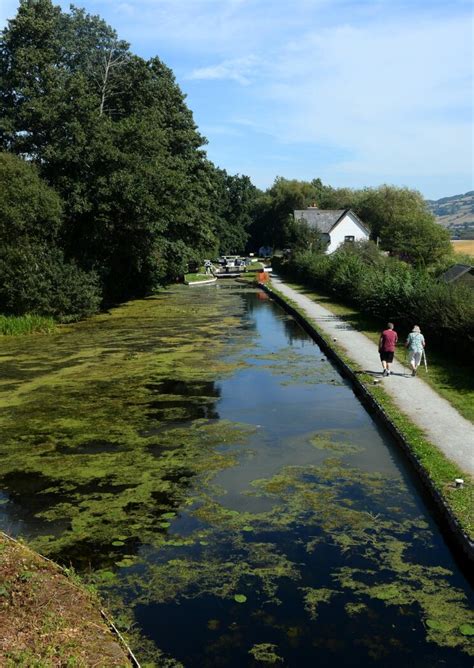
[{"x": 338, "y": 226}]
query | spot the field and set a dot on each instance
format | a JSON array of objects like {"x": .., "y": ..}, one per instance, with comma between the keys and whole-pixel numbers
[{"x": 466, "y": 247}]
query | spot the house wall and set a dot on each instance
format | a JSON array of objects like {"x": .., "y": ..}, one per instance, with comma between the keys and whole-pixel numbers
[{"x": 348, "y": 226}]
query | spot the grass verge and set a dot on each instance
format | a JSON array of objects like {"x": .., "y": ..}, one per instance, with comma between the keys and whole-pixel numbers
[
  {"x": 449, "y": 378},
  {"x": 17, "y": 325},
  {"x": 195, "y": 278},
  {"x": 48, "y": 618},
  {"x": 255, "y": 266},
  {"x": 440, "y": 470}
]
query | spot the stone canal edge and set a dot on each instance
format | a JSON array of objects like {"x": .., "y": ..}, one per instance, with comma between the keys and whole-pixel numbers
[{"x": 321, "y": 325}]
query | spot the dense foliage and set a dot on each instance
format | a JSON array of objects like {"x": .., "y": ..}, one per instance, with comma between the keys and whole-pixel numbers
[
  {"x": 34, "y": 275},
  {"x": 111, "y": 134},
  {"x": 390, "y": 289},
  {"x": 272, "y": 225}
]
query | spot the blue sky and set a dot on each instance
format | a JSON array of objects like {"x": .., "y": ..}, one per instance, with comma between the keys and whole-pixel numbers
[{"x": 356, "y": 93}]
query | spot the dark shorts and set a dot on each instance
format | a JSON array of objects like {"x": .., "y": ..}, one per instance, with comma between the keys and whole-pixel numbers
[{"x": 386, "y": 356}]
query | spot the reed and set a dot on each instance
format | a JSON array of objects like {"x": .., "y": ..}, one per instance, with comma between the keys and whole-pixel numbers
[{"x": 18, "y": 325}]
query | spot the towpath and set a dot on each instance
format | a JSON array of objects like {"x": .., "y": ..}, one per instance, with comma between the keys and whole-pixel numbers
[{"x": 442, "y": 424}]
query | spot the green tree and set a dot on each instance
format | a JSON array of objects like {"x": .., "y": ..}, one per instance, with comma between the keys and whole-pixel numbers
[
  {"x": 300, "y": 237},
  {"x": 112, "y": 134},
  {"x": 29, "y": 209},
  {"x": 419, "y": 240},
  {"x": 275, "y": 208},
  {"x": 338, "y": 198},
  {"x": 399, "y": 218},
  {"x": 34, "y": 276},
  {"x": 386, "y": 206},
  {"x": 235, "y": 199}
]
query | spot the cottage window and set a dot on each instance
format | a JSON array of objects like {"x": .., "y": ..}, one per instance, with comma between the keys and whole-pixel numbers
[{"x": 349, "y": 238}]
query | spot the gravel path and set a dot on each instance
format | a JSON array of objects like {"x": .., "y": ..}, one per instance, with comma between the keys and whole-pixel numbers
[{"x": 443, "y": 425}]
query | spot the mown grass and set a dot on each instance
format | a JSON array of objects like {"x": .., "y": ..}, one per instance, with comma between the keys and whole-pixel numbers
[
  {"x": 448, "y": 377},
  {"x": 194, "y": 278},
  {"x": 439, "y": 468},
  {"x": 255, "y": 266},
  {"x": 12, "y": 325}
]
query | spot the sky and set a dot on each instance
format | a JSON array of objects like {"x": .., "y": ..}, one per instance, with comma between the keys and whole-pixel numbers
[{"x": 355, "y": 93}]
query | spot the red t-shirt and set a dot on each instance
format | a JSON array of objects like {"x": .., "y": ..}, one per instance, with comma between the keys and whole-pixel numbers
[{"x": 389, "y": 339}]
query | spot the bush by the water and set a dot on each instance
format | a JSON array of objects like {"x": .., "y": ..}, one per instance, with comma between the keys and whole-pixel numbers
[
  {"x": 36, "y": 279},
  {"x": 34, "y": 275},
  {"x": 390, "y": 289}
]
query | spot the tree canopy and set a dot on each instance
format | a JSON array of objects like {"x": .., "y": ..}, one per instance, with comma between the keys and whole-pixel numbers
[{"x": 112, "y": 134}]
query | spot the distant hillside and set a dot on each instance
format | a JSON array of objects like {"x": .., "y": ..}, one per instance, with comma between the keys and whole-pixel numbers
[{"x": 456, "y": 213}]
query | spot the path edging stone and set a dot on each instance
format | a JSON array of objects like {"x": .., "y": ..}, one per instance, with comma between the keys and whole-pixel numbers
[{"x": 449, "y": 521}]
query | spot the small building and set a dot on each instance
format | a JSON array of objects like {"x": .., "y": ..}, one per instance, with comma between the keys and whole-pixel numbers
[
  {"x": 459, "y": 273},
  {"x": 337, "y": 226}
]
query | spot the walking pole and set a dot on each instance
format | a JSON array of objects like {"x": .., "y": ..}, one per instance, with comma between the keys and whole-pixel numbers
[{"x": 426, "y": 361}]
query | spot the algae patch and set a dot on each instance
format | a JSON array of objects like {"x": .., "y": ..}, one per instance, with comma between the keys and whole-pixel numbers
[
  {"x": 265, "y": 653},
  {"x": 107, "y": 433}
]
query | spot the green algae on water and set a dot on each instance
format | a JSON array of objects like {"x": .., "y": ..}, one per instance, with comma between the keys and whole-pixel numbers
[
  {"x": 265, "y": 653},
  {"x": 314, "y": 597},
  {"x": 150, "y": 394},
  {"x": 121, "y": 475}
]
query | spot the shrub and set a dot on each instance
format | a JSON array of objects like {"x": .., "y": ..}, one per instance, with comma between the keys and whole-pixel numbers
[
  {"x": 390, "y": 289},
  {"x": 36, "y": 279},
  {"x": 28, "y": 206}
]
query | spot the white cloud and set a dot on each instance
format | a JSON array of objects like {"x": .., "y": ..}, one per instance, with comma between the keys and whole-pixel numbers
[
  {"x": 239, "y": 69},
  {"x": 394, "y": 97},
  {"x": 225, "y": 28}
]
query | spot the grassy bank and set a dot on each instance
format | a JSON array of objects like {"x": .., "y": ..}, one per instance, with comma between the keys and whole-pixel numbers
[
  {"x": 439, "y": 468},
  {"x": 48, "y": 618},
  {"x": 255, "y": 266},
  {"x": 197, "y": 277},
  {"x": 449, "y": 378},
  {"x": 17, "y": 325}
]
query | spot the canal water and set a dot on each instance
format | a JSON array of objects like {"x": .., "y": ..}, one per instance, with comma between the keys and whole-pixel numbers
[{"x": 197, "y": 458}]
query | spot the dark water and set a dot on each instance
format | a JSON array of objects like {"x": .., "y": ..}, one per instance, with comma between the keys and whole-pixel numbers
[{"x": 198, "y": 458}]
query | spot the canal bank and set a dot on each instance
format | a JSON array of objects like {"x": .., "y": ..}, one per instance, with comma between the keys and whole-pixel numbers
[
  {"x": 448, "y": 431},
  {"x": 48, "y": 617}
]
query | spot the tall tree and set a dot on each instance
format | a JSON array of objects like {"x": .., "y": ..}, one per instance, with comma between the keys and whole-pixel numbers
[
  {"x": 112, "y": 133},
  {"x": 235, "y": 198},
  {"x": 420, "y": 240},
  {"x": 276, "y": 206},
  {"x": 385, "y": 206}
]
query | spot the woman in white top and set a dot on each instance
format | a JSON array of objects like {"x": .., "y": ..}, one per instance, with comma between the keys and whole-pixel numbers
[{"x": 415, "y": 344}]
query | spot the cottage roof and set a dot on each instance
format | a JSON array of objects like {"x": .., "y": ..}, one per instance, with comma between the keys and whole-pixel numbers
[
  {"x": 325, "y": 219},
  {"x": 456, "y": 271}
]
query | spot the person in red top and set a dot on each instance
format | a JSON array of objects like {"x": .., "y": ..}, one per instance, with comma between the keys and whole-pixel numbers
[{"x": 387, "y": 342}]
